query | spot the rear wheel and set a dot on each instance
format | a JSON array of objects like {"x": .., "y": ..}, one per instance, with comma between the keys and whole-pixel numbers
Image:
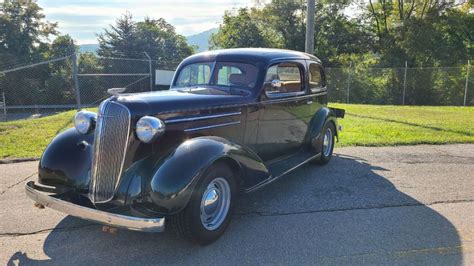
[
  {"x": 327, "y": 143},
  {"x": 209, "y": 211}
]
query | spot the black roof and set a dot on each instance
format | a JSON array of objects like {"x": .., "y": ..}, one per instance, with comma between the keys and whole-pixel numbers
[{"x": 255, "y": 55}]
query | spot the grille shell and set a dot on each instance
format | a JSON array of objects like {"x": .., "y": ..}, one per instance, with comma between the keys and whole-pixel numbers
[{"x": 109, "y": 150}]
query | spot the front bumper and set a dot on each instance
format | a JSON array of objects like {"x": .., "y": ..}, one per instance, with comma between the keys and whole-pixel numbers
[{"x": 112, "y": 219}]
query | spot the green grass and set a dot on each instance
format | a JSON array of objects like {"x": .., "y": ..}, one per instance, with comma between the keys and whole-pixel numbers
[
  {"x": 28, "y": 138},
  {"x": 377, "y": 125},
  {"x": 364, "y": 125}
]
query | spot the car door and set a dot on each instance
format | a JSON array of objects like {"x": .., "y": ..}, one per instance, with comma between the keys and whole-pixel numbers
[{"x": 282, "y": 121}]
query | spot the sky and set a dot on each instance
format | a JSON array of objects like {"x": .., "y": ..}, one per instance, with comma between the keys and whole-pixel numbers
[{"x": 82, "y": 19}]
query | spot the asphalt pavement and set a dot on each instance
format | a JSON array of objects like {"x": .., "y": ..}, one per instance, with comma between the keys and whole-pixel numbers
[{"x": 390, "y": 205}]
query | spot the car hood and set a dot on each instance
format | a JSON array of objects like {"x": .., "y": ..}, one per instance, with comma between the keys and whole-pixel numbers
[{"x": 169, "y": 101}]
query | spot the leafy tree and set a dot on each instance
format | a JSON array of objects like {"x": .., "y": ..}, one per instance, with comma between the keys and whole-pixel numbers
[
  {"x": 23, "y": 32},
  {"x": 24, "y": 39},
  {"x": 287, "y": 19},
  {"x": 61, "y": 46},
  {"x": 282, "y": 24},
  {"x": 128, "y": 38},
  {"x": 337, "y": 36},
  {"x": 240, "y": 30},
  {"x": 59, "y": 86},
  {"x": 160, "y": 40}
]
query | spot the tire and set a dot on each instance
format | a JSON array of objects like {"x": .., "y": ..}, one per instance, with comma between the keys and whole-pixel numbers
[
  {"x": 219, "y": 187},
  {"x": 327, "y": 143}
]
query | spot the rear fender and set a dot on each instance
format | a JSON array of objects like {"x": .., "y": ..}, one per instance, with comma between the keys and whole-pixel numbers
[{"x": 318, "y": 121}]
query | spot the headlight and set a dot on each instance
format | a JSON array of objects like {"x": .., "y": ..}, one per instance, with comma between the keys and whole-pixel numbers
[
  {"x": 84, "y": 121},
  {"x": 149, "y": 128}
]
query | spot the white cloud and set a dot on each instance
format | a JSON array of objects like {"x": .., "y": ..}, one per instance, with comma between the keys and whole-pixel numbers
[{"x": 82, "y": 18}]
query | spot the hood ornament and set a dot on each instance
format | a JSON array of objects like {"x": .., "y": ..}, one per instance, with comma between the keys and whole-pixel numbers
[{"x": 115, "y": 91}]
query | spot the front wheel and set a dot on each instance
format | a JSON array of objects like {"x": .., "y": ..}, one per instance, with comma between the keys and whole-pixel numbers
[
  {"x": 209, "y": 210},
  {"x": 327, "y": 144}
]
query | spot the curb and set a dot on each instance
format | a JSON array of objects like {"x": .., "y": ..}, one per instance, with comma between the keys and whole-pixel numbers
[{"x": 19, "y": 160}]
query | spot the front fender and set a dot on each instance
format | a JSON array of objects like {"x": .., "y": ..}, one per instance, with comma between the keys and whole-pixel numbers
[
  {"x": 66, "y": 161},
  {"x": 170, "y": 184}
]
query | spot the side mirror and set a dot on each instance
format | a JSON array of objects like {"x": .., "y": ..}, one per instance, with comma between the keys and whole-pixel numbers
[{"x": 276, "y": 83}]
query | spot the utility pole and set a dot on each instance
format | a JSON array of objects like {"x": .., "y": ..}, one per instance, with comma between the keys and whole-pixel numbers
[{"x": 309, "y": 44}]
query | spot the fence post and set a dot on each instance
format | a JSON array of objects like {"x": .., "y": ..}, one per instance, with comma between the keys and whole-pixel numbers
[
  {"x": 4, "y": 105},
  {"x": 349, "y": 83},
  {"x": 151, "y": 70},
  {"x": 404, "y": 82},
  {"x": 467, "y": 81},
  {"x": 76, "y": 81}
]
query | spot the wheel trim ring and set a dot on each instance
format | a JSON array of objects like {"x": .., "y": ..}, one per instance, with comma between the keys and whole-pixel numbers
[
  {"x": 212, "y": 221},
  {"x": 327, "y": 142}
]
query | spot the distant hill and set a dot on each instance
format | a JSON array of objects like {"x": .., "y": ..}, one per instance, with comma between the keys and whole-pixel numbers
[
  {"x": 201, "y": 39},
  {"x": 91, "y": 48}
]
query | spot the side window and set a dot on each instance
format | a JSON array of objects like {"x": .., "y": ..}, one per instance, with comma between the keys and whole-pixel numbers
[
  {"x": 316, "y": 82},
  {"x": 284, "y": 78},
  {"x": 194, "y": 74},
  {"x": 224, "y": 73}
]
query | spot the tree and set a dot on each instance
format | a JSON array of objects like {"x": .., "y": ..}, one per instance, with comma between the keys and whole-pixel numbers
[
  {"x": 23, "y": 32},
  {"x": 286, "y": 18},
  {"x": 24, "y": 38},
  {"x": 240, "y": 30},
  {"x": 59, "y": 86},
  {"x": 282, "y": 24},
  {"x": 338, "y": 37},
  {"x": 128, "y": 38}
]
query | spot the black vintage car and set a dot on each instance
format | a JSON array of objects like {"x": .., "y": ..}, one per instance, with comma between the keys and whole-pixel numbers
[{"x": 233, "y": 121}]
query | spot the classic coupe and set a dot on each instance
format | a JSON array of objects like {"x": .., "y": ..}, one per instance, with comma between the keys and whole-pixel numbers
[{"x": 232, "y": 122}]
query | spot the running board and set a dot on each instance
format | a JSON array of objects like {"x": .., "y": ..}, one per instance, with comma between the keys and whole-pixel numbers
[{"x": 285, "y": 166}]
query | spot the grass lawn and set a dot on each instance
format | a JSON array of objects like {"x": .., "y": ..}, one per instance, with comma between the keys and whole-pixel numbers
[
  {"x": 364, "y": 125},
  {"x": 384, "y": 125}
]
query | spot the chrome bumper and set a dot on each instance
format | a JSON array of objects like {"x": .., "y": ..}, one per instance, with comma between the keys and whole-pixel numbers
[{"x": 112, "y": 219}]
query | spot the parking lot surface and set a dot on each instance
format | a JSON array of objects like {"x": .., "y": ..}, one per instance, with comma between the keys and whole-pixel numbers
[{"x": 407, "y": 204}]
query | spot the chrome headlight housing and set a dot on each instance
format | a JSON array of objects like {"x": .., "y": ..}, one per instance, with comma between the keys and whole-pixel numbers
[
  {"x": 149, "y": 129},
  {"x": 84, "y": 121}
]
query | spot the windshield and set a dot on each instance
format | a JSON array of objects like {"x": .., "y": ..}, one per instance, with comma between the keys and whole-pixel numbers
[{"x": 225, "y": 74}]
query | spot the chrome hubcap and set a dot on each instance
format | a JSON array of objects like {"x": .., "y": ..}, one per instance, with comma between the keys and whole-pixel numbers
[
  {"x": 327, "y": 142},
  {"x": 215, "y": 203}
]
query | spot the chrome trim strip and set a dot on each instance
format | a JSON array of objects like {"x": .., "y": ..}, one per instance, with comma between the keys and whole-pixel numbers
[
  {"x": 272, "y": 179},
  {"x": 197, "y": 118},
  {"x": 281, "y": 95},
  {"x": 94, "y": 166},
  {"x": 211, "y": 126},
  {"x": 240, "y": 105},
  {"x": 112, "y": 219},
  {"x": 97, "y": 138}
]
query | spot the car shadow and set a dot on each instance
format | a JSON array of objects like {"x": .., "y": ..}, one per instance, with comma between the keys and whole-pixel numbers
[{"x": 344, "y": 212}]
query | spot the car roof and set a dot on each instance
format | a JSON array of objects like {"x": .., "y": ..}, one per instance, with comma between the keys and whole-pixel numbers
[{"x": 254, "y": 55}]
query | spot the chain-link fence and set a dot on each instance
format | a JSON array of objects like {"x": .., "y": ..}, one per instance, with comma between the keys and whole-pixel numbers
[
  {"x": 44, "y": 85},
  {"x": 73, "y": 82},
  {"x": 81, "y": 81},
  {"x": 402, "y": 85}
]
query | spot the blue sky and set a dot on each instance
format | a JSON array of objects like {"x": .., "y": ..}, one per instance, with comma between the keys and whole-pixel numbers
[{"x": 82, "y": 19}]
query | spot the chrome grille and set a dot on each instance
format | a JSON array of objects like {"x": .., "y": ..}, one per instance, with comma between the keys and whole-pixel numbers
[{"x": 110, "y": 144}]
